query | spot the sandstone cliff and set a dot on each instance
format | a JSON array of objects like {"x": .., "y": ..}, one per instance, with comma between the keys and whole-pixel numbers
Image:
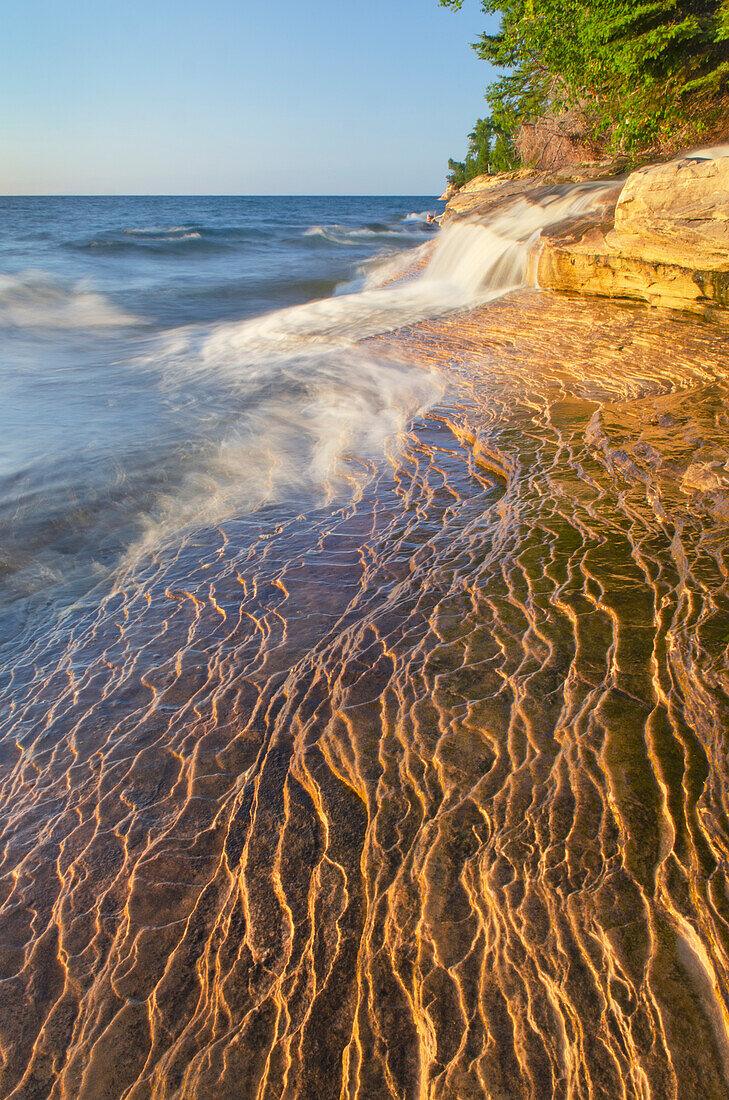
[
  {"x": 664, "y": 241},
  {"x": 667, "y": 244}
]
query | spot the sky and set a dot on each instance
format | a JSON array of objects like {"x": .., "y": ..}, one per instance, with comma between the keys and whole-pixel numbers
[{"x": 236, "y": 96}]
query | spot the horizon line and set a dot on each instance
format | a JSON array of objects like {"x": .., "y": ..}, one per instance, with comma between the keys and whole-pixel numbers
[{"x": 215, "y": 195}]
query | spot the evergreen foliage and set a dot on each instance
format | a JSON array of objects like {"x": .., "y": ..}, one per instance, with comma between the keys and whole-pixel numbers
[
  {"x": 638, "y": 71},
  {"x": 490, "y": 150}
]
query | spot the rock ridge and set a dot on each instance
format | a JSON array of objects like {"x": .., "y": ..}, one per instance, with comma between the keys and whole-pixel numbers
[{"x": 664, "y": 240}]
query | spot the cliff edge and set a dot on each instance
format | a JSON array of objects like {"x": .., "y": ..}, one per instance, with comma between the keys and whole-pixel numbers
[{"x": 663, "y": 241}]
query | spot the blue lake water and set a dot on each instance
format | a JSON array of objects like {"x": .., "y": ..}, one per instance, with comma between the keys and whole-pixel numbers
[{"x": 133, "y": 394}]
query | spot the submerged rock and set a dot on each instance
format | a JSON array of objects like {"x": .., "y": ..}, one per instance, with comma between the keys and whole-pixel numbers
[{"x": 706, "y": 477}]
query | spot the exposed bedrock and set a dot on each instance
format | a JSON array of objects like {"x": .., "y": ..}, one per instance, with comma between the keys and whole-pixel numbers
[
  {"x": 666, "y": 243},
  {"x": 482, "y": 195},
  {"x": 677, "y": 213}
]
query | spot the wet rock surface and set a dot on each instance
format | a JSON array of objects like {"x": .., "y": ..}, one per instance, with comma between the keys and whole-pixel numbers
[
  {"x": 483, "y": 195},
  {"x": 421, "y": 796}
]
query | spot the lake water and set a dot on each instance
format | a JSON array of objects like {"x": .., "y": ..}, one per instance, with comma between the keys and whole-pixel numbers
[
  {"x": 363, "y": 673},
  {"x": 117, "y": 407}
]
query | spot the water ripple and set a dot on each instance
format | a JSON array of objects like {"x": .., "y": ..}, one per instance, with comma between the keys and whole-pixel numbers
[{"x": 421, "y": 796}]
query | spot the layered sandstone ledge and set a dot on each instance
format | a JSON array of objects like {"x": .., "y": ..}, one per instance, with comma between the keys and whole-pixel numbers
[
  {"x": 664, "y": 241},
  {"x": 482, "y": 195}
]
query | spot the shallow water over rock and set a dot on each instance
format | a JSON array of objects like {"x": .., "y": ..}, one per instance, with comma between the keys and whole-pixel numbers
[{"x": 424, "y": 795}]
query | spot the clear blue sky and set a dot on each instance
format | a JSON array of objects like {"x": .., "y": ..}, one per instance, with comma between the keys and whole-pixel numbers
[{"x": 235, "y": 96}]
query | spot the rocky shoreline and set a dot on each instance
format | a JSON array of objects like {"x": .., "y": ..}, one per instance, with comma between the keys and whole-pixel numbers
[
  {"x": 421, "y": 791},
  {"x": 660, "y": 237}
]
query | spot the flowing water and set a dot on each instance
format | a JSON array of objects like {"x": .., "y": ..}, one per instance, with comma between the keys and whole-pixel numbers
[{"x": 363, "y": 697}]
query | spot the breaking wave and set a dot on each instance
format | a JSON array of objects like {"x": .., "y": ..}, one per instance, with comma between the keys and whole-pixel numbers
[
  {"x": 181, "y": 232},
  {"x": 344, "y": 235},
  {"x": 34, "y": 299},
  {"x": 175, "y": 240}
]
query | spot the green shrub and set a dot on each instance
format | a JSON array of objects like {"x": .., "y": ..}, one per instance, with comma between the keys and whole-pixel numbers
[{"x": 639, "y": 71}]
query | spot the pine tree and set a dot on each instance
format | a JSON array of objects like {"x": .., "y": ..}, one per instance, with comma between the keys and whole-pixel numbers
[{"x": 638, "y": 70}]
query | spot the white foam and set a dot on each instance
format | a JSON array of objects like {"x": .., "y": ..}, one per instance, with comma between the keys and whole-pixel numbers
[
  {"x": 342, "y": 234},
  {"x": 714, "y": 152},
  {"x": 159, "y": 230},
  {"x": 305, "y": 400},
  {"x": 33, "y": 299},
  {"x": 297, "y": 427},
  {"x": 387, "y": 269}
]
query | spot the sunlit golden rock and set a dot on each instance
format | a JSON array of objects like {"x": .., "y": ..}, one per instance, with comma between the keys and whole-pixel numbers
[
  {"x": 677, "y": 213},
  {"x": 668, "y": 245},
  {"x": 483, "y": 194}
]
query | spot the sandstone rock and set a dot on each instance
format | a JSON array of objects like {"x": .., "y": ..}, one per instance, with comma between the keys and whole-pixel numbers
[
  {"x": 668, "y": 246},
  {"x": 706, "y": 477},
  {"x": 677, "y": 213},
  {"x": 583, "y": 269},
  {"x": 482, "y": 195}
]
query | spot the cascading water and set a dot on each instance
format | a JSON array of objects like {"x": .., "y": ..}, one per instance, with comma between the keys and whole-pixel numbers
[
  {"x": 486, "y": 258},
  {"x": 393, "y": 763},
  {"x": 307, "y": 396},
  {"x": 472, "y": 261}
]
